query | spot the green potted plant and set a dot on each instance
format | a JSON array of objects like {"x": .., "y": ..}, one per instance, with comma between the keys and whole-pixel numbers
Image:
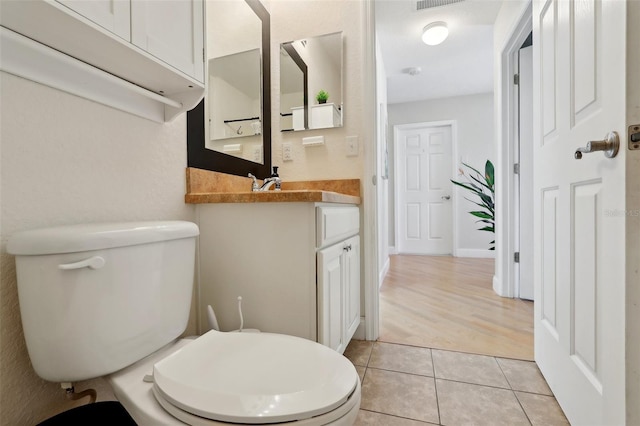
[
  {"x": 322, "y": 97},
  {"x": 482, "y": 187}
]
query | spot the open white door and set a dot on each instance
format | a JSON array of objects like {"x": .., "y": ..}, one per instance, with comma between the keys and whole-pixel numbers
[
  {"x": 579, "y": 255},
  {"x": 424, "y": 189}
]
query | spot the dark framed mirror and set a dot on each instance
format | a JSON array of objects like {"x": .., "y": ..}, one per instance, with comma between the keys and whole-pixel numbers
[{"x": 206, "y": 149}]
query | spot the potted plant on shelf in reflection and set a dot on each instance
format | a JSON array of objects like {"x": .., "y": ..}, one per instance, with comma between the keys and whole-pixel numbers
[
  {"x": 322, "y": 97},
  {"x": 482, "y": 187}
]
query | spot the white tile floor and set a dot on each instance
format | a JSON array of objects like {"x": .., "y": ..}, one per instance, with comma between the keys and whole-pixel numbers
[{"x": 408, "y": 385}]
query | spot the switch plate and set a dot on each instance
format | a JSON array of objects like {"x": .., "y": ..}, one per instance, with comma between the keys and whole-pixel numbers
[
  {"x": 287, "y": 155},
  {"x": 352, "y": 146}
]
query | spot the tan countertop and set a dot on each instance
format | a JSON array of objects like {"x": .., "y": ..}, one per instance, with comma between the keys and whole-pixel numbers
[
  {"x": 211, "y": 187},
  {"x": 272, "y": 197}
]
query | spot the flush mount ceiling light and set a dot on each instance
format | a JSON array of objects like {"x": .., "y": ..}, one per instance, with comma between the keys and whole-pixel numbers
[
  {"x": 435, "y": 33},
  {"x": 412, "y": 71}
]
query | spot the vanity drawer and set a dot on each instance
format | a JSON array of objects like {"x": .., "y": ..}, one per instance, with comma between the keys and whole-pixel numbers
[{"x": 336, "y": 223}]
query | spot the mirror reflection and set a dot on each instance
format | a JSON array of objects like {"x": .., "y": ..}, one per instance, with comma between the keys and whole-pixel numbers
[
  {"x": 311, "y": 83},
  {"x": 234, "y": 99}
]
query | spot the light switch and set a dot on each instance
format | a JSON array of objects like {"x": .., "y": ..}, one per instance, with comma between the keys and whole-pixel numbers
[
  {"x": 352, "y": 146},
  {"x": 286, "y": 152}
]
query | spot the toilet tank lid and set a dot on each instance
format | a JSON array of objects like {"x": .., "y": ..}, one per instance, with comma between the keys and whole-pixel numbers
[{"x": 97, "y": 236}]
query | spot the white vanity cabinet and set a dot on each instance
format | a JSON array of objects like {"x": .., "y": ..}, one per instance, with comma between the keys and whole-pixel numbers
[
  {"x": 295, "y": 264},
  {"x": 338, "y": 267},
  {"x": 339, "y": 293}
]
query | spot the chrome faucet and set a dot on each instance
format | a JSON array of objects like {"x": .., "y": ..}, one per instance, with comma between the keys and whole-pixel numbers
[{"x": 266, "y": 184}]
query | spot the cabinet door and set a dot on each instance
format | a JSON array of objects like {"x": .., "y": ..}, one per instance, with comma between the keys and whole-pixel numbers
[
  {"x": 112, "y": 15},
  {"x": 172, "y": 31},
  {"x": 351, "y": 287},
  {"x": 330, "y": 297}
]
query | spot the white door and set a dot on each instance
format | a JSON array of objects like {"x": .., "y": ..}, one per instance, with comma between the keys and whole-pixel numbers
[
  {"x": 351, "y": 287},
  {"x": 330, "y": 297},
  {"x": 525, "y": 175},
  {"x": 579, "y": 257},
  {"x": 423, "y": 185}
]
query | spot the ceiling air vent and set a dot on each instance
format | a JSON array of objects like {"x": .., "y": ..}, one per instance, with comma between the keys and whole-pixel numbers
[{"x": 428, "y": 4}]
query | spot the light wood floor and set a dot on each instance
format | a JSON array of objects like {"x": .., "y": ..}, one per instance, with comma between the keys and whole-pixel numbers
[{"x": 448, "y": 303}]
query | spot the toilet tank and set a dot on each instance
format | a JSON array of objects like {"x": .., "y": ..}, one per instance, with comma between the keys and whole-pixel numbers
[{"x": 95, "y": 298}]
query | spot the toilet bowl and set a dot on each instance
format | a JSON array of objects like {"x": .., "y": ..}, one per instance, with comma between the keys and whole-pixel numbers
[
  {"x": 230, "y": 378},
  {"x": 112, "y": 300}
]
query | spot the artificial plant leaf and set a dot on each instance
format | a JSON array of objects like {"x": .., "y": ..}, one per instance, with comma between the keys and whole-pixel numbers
[
  {"x": 482, "y": 215},
  {"x": 489, "y": 173},
  {"x": 482, "y": 183}
]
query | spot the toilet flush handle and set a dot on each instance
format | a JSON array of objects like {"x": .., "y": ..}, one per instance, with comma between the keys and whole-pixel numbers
[{"x": 95, "y": 262}]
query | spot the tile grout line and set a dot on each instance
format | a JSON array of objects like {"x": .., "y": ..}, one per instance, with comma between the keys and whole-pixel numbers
[
  {"x": 396, "y": 416},
  {"x": 513, "y": 391},
  {"x": 435, "y": 386}
]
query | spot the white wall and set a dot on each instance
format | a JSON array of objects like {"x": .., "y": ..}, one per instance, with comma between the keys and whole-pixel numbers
[
  {"x": 473, "y": 115},
  {"x": 68, "y": 160},
  {"x": 294, "y": 20}
]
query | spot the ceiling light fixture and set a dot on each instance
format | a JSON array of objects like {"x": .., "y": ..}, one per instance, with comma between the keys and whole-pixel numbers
[
  {"x": 413, "y": 71},
  {"x": 435, "y": 33}
]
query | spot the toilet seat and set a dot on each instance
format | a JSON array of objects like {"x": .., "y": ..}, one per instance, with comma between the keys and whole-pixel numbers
[
  {"x": 344, "y": 415},
  {"x": 284, "y": 379},
  {"x": 137, "y": 395}
]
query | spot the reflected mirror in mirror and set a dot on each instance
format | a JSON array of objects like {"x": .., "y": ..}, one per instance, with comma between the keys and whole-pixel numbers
[
  {"x": 234, "y": 98},
  {"x": 311, "y": 83}
]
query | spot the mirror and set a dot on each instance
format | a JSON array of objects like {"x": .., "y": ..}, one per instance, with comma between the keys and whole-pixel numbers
[
  {"x": 311, "y": 83},
  {"x": 230, "y": 130}
]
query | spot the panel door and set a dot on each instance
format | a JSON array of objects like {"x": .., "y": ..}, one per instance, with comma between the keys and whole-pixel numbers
[
  {"x": 579, "y": 96},
  {"x": 172, "y": 31},
  {"x": 330, "y": 297},
  {"x": 423, "y": 173},
  {"x": 351, "y": 287},
  {"x": 112, "y": 15}
]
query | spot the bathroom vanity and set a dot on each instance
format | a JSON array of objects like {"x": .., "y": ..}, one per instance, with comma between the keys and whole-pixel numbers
[{"x": 296, "y": 264}]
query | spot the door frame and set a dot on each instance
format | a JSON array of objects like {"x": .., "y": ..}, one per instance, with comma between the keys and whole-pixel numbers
[
  {"x": 454, "y": 158},
  {"x": 504, "y": 280},
  {"x": 525, "y": 163}
]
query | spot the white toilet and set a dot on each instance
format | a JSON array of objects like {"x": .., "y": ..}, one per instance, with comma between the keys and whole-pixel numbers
[{"x": 112, "y": 299}]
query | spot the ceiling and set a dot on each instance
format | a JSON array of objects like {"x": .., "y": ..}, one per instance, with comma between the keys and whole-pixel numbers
[{"x": 461, "y": 65}]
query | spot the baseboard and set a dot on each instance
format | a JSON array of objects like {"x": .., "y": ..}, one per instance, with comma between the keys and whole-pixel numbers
[
  {"x": 392, "y": 250},
  {"x": 479, "y": 253},
  {"x": 360, "y": 333},
  {"x": 497, "y": 285},
  {"x": 383, "y": 272}
]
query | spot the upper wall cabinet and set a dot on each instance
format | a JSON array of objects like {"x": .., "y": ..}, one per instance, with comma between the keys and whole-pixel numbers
[
  {"x": 141, "y": 56},
  {"x": 112, "y": 15},
  {"x": 155, "y": 29}
]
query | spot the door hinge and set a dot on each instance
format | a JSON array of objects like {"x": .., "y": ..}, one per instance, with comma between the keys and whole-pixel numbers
[
  {"x": 516, "y": 257},
  {"x": 516, "y": 79},
  {"x": 516, "y": 168},
  {"x": 203, "y": 56}
]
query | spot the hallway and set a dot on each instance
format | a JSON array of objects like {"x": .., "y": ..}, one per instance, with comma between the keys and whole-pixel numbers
[{"x": 448, "y": 303}]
